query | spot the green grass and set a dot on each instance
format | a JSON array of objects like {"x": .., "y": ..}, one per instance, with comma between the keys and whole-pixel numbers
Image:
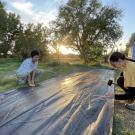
[
  {"x": 101, "y": 66},
  {"x": 9, "y": 66},
  {"x": 7, "y": 73},
  {"x": 119, "y": 128}
]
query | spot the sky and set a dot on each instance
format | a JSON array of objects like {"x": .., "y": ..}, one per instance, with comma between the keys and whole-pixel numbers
[
  {"x": 44, "y": 11},
  {"x": 34, "y": 11},
  {"x": 128, "y": 19}
]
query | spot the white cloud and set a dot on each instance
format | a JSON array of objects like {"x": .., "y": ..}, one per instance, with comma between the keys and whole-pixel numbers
[
  {"x": 45, "y": 17},
  {"x": 25, "y": 7},
  {"x": 30, "y": 15}
]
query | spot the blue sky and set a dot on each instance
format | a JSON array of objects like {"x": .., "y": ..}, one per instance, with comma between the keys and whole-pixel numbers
[
  {"x": 128, "y": 19},
  {"x": 46, "y": 10}
]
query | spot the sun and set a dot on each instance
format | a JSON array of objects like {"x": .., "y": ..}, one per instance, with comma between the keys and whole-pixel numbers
[{"x": 65, "y": 50}]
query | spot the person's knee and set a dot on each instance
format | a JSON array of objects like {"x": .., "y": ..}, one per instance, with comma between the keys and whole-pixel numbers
[
  {"x": 37, "y": 74},
  {"x": 120, "y": 81}
]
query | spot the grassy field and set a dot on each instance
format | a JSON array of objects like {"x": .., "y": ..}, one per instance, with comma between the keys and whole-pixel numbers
[
  {"x": 70, "y": 60},
  {"x": 9, "y": 66},
  {"x": 120, "y": 127},
  {"x": 7, "y": 73}
]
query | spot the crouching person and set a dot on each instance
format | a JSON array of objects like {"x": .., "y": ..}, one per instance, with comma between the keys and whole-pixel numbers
[
  {"x": 126, "y": 80},
  {"x": 28, "y": 71}
]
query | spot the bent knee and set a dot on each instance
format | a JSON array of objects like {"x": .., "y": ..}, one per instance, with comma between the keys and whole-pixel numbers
[{"x": 120, "y": 81}]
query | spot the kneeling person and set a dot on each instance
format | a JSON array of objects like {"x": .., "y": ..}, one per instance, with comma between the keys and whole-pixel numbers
[{"x": 28, "y": 72}]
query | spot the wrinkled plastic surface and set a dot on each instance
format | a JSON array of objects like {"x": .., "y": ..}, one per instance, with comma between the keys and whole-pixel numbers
[{"x": 69, "y": 105}]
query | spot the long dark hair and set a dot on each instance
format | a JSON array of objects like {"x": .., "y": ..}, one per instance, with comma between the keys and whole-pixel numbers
[{"x": 115, "y": 56}]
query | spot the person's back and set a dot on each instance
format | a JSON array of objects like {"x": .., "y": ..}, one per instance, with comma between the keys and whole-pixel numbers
[
  {"x": 26, "y": 67},
  {"x": 127, "y": 80},
  {"x": 129, "y": 74}
]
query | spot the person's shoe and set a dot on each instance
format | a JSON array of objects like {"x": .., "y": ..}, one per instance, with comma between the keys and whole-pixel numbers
[
  {"x": 130, "y": 106},
  {"x": 31, "y": 85}
]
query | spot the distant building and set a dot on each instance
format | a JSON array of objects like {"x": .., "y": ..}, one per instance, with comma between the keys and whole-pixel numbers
[{"x": 131, "y": 51}]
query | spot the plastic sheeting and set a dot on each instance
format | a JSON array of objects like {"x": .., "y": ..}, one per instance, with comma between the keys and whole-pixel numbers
[{"x": 69, "y": 105}]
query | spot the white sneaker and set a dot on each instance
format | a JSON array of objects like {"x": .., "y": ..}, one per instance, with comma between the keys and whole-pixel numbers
[
  {"x": 130, "y": 106},
  {"x": 31, "y": 85}
]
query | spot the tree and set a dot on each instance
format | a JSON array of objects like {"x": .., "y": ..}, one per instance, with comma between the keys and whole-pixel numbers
[
  {"x": 18, "y": 39},
  {"x": 9, "y": 28},
  {"x": 55, "y": 40},
  {"x": 89, "y": 27},
  {"x": 33, "y": 37},
  {"x": 131, "y": 40},
  {"x": 130, "y": 43},
  {"x": 3, "y": 27}
]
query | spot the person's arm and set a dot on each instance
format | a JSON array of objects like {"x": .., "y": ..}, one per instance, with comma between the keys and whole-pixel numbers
[
  {"x": 35, "y": 66},
  {"x": 109, "y": 94},
  {"x": 121, "y": 74}
]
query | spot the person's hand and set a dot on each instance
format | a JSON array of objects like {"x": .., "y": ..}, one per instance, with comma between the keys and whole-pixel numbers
[{"x": 109, "y": 94}]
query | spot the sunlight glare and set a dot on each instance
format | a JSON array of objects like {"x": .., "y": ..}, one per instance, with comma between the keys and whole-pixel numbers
[{"x": 65, "y": 50}]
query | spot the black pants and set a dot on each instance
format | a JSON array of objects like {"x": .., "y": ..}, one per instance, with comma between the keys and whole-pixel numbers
[{"x": 129, "y": 92}]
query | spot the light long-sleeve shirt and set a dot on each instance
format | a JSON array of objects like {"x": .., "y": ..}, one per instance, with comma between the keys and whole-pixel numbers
[{"x": 26, "y": 67}]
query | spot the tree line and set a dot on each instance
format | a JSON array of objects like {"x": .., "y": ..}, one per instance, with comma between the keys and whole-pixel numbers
[{"x": 84, "y": 25}]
